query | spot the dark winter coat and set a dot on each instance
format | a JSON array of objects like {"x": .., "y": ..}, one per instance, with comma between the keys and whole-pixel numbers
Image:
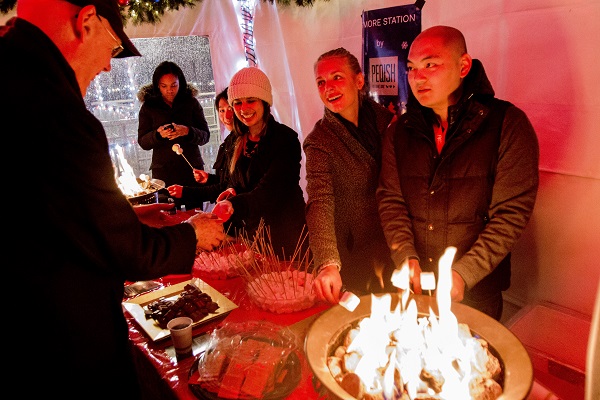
[
  {"x": 78, "y": 239},
  {"x": 341, "y": 210},
  {"x": 154, "y": 112},
  {"x": 477, "y": 195},
  {"x": 270, "y": 189}
]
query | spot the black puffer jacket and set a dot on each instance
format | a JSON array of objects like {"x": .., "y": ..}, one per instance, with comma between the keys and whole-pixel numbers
[
  {"x": 186, "y": 110},
  {"x": 477, "y": 195},
  {"x": 95, "y": 242}
]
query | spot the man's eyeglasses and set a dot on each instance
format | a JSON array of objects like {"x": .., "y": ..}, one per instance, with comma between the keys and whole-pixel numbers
[{"x": 119, "y": 48}]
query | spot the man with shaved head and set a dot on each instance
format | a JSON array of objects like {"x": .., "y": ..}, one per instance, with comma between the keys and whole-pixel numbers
[{"x": 460, "y": 168}]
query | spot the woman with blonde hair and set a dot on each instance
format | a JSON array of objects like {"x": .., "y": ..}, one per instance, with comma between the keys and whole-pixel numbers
[{"x": 343, "y": 159}]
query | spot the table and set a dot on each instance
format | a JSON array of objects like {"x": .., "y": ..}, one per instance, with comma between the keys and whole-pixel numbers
[{"x": 165, "y": 377}]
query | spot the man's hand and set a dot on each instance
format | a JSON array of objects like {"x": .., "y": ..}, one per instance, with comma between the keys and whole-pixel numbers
[
  {"x": 328, "y": 284},
  {"x": 457, "y": 293},
  {"x": 209, "y": 231},
  {"x": 415, "y": 275}
]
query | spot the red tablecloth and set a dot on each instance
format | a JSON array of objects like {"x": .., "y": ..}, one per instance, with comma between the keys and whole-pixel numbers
[{"x": 165, "y": 377}]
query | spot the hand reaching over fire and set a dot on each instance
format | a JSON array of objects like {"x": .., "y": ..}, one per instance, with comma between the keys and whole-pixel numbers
[
  {"x": 457, "y": 293},
  {"x": 175, "y": 191},
  {"x": 328, "y": 283},
  {"x": 209, "y": 231},
  {"x": 414, "y": 275}
]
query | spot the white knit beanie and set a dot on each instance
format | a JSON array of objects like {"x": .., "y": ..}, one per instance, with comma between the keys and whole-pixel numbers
[{"x": 250, "y": 82}]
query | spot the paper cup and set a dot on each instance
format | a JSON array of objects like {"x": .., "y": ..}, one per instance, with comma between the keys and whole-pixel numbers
[{"x": 181, "y": 334}]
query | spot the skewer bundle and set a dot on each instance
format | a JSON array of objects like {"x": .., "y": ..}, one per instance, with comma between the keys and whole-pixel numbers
[
  {"x": 279, "y": 286},
  {"x": 226, "y": 261}
]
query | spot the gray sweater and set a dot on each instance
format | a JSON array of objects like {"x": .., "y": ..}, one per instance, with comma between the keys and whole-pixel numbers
[{"x": 341, "y": 210}]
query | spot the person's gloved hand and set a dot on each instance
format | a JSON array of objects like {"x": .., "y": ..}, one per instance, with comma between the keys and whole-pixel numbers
[
  {"x": 226, "y": 194},
  {"x": 223, "y": 209}
]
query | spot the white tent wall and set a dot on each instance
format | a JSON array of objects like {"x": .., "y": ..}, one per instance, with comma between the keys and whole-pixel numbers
[{"x": 542, "y": 55}]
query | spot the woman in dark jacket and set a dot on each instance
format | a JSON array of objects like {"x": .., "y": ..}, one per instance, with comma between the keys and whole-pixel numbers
[
  {"x": 171, "y": 114},
  {"x": 263, "y": 160}
]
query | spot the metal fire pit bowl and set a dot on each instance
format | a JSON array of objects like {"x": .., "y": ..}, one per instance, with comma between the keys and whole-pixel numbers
[
  {"x": 148, "y": 198},
  {"x": 327, "y": 331}
]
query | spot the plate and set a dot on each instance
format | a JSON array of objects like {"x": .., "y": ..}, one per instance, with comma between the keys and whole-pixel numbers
[{"x": 137, "y": 306}]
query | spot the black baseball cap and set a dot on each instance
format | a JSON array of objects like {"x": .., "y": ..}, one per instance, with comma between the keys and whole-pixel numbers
[{"x": 109, "y": 9}]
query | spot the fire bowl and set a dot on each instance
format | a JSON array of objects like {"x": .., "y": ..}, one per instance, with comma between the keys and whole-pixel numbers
[
  {"x": 327, "y": 330},
  {"x": 148, "y": 198}
]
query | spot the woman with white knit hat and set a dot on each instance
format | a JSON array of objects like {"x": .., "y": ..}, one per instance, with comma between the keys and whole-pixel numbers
[{"x": 264, "y": 167}]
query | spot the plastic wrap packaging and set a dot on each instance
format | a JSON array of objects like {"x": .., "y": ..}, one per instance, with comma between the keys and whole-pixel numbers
[{"x": 247, "y": 360}]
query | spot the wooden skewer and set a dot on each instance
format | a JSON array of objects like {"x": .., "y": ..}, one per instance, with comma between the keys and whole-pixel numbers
[
  {"x": 186, "y": 160},
  {"x": 269, "y": 266},
  {"x": 176, "y": 147}
]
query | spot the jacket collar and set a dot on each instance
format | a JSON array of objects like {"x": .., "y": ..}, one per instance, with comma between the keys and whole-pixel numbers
[{"x": 476, "y": 87}]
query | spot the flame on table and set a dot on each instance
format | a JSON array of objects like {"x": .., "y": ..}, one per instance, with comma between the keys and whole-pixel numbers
[
  {"x": 125, "y": 176},
  {"x": 389, "y": 350}
]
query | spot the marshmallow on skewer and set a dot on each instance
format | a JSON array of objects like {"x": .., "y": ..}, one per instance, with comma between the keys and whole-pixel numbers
[
  {"x": 427, "y": 281},
  {"x": 179, "y": 151}
]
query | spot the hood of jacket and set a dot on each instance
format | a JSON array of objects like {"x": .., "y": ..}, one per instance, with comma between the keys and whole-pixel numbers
[{"x": 145, "y": 93}]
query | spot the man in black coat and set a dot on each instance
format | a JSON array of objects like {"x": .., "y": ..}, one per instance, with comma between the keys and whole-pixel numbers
[{"x": 78, "y": 238}]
